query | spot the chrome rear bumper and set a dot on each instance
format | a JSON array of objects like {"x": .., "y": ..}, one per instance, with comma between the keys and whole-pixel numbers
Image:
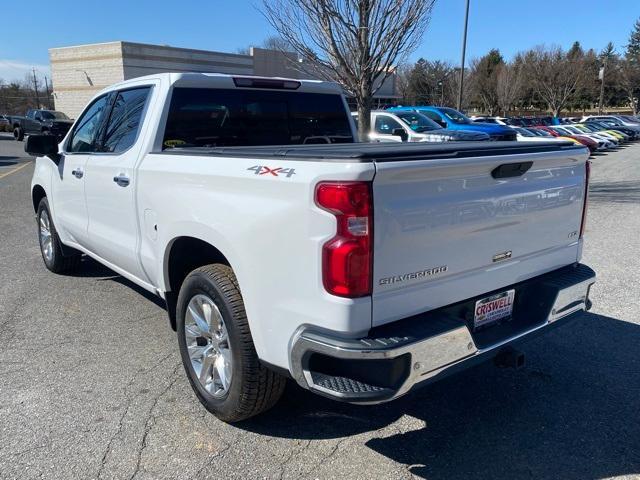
[{"x": 396, "y": 357}]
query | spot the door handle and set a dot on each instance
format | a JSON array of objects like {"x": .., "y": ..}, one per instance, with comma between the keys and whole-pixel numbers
[
  {"x": 122, "y": 180},
  {"x": 77, "y": 173}
]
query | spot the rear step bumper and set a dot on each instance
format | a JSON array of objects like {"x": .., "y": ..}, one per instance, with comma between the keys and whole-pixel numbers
[{"x": 394, "y": 358}]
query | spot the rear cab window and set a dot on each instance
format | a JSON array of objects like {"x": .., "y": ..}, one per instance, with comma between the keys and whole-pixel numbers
[{"x": 205, "y": 117}]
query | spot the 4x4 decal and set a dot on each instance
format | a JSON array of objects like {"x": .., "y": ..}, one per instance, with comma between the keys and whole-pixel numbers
[{"x": 278, "y": 171}]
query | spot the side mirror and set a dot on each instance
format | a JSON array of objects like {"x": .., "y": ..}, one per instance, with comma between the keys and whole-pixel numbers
[
  {"x": 400, "y": 132},
  {"x": 42, "y": 146}
]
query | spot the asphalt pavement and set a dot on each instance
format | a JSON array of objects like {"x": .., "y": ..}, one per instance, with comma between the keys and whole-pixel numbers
[{"x": 91, "y": 384}]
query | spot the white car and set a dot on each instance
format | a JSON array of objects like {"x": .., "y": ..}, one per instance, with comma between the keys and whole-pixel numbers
[
  {"x": 524, "y": 135},
  {"x": 604, "y": 135},
  {"x": 360, "y": 270},
  {"x": 412, "y": 126},
  {"x": 494, "y": 120},
  {"x": 603, "y": 142}
]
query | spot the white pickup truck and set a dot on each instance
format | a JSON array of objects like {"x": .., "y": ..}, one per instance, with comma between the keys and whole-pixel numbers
[{"x": 358, "y": 270}]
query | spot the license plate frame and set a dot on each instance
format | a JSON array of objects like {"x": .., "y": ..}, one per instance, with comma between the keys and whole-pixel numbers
[{"x": 497, "y": 307}]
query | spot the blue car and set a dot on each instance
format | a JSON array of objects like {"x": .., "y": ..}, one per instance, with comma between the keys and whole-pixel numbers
[{"x": 454, "y": 120}]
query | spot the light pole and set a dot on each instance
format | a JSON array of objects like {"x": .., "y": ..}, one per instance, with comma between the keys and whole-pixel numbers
[
  {"x": 601, "y": 75},
  {"x": 464, "y": 51}
]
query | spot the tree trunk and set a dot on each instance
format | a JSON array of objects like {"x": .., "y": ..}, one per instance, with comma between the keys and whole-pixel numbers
[{"x": 364, "y": 100}]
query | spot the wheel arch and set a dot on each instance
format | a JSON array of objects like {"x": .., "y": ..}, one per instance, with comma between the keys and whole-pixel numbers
[
  {"x": 183, "y": 255},
  {"x": 37, "y": 194}
]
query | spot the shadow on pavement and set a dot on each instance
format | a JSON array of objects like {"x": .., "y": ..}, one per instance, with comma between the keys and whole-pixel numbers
[
  {"x": 7, "y": 161},
  {"x": 618, "y": 192},
  {"x": 572, "y": 414},
  {"x": 89, "y": 268}
]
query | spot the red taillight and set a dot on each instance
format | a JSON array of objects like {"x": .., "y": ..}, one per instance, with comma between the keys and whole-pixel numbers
[
  {"x": 347, "y": 257},
  {"x": 587, "y": 174}
]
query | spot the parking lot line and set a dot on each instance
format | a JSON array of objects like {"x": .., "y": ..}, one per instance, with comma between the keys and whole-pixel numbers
[{"x": 14, "y": 170}]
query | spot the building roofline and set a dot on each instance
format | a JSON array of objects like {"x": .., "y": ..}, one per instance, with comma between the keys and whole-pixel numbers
[
  {"x": 87, "y": 45},
  {"x": 153, "y": 45}
]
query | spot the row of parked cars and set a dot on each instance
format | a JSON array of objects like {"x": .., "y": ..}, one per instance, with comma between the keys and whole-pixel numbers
[
  {"x": 598, "y": 132},
  {"x": 442, "y": 124}
]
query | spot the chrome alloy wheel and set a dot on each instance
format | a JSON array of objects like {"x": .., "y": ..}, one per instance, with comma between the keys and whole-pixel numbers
[
  {"x": 208, "y": 345},
  {"x": 46, "y": 240}
]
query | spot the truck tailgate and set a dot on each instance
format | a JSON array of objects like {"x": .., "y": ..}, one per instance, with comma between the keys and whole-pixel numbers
[{"x": 447, "y": 229}]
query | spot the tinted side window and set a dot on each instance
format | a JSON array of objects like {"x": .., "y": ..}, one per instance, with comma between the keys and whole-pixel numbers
[
  {"x": 86, "y": 129},
  {"x": 431, "y": 115},
  {"x": 386, "y": 125},
  {"x": 124, "y": 121},
  {"x": 205, "y": 117}
]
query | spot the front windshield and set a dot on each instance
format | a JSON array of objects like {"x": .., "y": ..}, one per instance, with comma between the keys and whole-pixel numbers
[
  {"x": 455, "y": 116},
  {"x": 418, "y": 122},
  {"x": 524, "y": 132},
  {"x": 52, "y": 115},
  {"x": 536, "y": 132},
  {"x": 573, "y": 129}
]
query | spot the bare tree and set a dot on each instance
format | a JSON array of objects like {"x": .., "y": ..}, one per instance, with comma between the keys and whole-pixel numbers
[
  {"x": 452, "y": 89},
  {"x": 275, "y": 42},
  {"x": 555, "y": 75},
  {"x": 357, "y": 43},
  {"x": 509, "y": 85}
]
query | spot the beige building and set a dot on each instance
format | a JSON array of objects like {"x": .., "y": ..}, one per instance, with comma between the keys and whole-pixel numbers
[{"x": 79, "y": 72}]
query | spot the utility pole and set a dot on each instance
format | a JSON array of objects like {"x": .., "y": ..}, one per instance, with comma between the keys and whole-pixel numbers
[
  {"x": 464, "y": 51},
  {"x": 601, "y": 75},
  {"x": 46, "y": 86},
  {"x": 35, "y": 87}
]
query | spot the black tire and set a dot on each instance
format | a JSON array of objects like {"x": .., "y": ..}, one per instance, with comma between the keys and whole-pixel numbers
[
  {"x": 57, "y": 261},
  {"x": 253, "y": 388},
  {"x": 18, "y": 134}
]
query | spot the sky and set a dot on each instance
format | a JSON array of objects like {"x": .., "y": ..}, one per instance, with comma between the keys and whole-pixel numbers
[{"x": 509, "y": 25}]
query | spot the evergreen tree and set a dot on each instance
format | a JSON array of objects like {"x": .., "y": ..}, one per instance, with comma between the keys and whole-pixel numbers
[
  {"x": 485, "y": 75},
  {"x": 633, "y": 47}
]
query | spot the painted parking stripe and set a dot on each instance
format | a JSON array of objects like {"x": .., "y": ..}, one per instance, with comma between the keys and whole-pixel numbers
[{"x": 6, "y": 174}]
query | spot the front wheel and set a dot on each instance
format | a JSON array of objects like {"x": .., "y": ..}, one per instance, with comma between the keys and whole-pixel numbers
[
  {"x": 18, "y": 134},
  {"x": 50, "y": 246},
  {"x": 217, "y": 350}
]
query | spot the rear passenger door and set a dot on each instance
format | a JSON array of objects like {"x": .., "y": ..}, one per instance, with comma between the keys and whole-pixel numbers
[{"x": 110, "y": 183}]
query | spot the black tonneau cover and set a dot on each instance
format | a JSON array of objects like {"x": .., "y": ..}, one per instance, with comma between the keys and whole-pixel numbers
[{"x": 381, "y": 152}]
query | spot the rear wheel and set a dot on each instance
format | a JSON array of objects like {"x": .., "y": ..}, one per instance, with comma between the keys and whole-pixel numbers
[
  {"x": 50, "y": 246},
  {"x": 18, "y": 134},
  {"x": 217, "y": 350}
]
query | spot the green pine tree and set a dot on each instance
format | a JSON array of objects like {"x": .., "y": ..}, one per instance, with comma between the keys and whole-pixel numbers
[{"x": 633, "y": 47}]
